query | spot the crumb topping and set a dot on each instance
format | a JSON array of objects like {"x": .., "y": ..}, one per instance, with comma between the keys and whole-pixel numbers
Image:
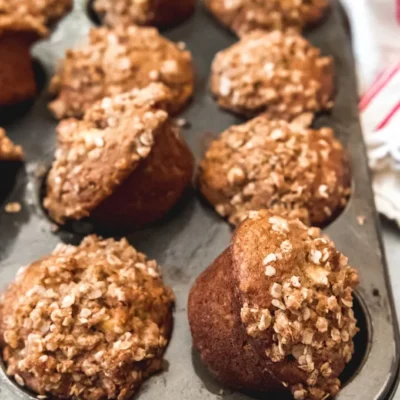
[
  {"x": 303, "y": 310},
  {"x": 116, "y": 61},
  {"x": 126, "y": 11},
  {"x": 95, "y": 155},
  {"x": 293, "y": 171},
  {"x": 8, "y": 150},
  {"x": 281, "y": 73},
  {"x": 244, "y": 16},
  {"x": 33, "y": 15},
  {"x": 90, "y": 321}
]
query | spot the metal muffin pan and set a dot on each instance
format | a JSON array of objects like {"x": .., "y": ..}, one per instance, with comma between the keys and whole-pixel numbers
[{"x": 193, "y": 235}]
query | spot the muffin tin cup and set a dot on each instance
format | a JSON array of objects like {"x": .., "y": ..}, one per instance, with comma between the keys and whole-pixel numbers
[{"x": 193, "y": 235}]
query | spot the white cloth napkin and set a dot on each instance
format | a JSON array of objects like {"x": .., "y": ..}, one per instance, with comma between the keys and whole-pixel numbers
[{"x": 376, "y": 40}]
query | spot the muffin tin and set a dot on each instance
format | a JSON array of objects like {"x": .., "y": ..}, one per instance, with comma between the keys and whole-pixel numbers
[{"x": 192, "y": 235}]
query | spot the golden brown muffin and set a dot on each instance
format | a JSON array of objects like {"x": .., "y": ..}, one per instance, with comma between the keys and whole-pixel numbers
[
  {"x": 91, "y": 321},
  {"x": 286, "y": 168},
  {"x": 161, "y": 13},
  {"x": 125, "y": 164},
  {"x": 22, "y": 22},
  {"x": 8, "y": 150},
  {"x": 244, "y": 16},
  {"x": 116, "y": 61},
  {"x": 289, "y": 292},
  {"x": 279, "y": 73}
]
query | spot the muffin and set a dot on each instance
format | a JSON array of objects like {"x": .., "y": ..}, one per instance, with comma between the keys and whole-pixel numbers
[
  {"x": 8, "y": 150},
  {"x": 278, "y": 73},
  {"x": 161, "y": 13},
  {"x": 289, "y": 169},
  {"x": 91, "y": 321},
  {"x": 116, "y": 61},
  {"x": 274, "y": 311},
  {"x": 22, "y": 22},
  {"x": 124, "y": 165},
  {"x": 244, "y": 16}
]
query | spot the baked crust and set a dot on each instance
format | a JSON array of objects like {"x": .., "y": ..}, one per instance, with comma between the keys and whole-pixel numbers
[
  {"x": 244, "y": 16},
  {"x": 91, "y": 321},
  {"x": 116, "y": 61},
  {"x": 31, "y": 15},
  {"x": 119, "y": 161},
  {"x": 8, "y": 150},
  {"x": 160, "y": 13},
  {"x": 289, "y": 169},
  {"x": 293, "y": 292},
  {"x": 278, "y": 73}
]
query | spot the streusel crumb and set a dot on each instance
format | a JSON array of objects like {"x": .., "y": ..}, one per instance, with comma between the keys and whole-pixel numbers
[
  {"x": 90, "y": 321},
  {"x": 244, "y": 16},
  {"x": 289, "y": 169},
  {"x": 278, "y": 73},
  {"x": 116, "y": 61}
]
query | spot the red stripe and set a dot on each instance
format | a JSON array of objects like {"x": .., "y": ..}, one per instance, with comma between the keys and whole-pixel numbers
[
  {"x": 398, "y": 10},
  {"x": 387, "y": 119},
  {"x": 386, "y": 77}
]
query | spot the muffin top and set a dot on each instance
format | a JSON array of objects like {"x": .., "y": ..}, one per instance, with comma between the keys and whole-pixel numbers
[
  {"x": 293, "y": 171},
  {"x": 116, "y": 61},
  {"x": 244, "y": 16},
  {"x": 280, "y": 73},
  {"x": 8, "y": 150},
  {"x": 31, "y": 15},
  {"x": 96, "y": 154},
  {"x": 295, "y": 291},
  {"x": 90, "y": 321},
  {"x": 143, "y": 12}
]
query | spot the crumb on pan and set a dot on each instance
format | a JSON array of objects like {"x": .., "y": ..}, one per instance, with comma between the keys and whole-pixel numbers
[{"x": 8, "y": 150}]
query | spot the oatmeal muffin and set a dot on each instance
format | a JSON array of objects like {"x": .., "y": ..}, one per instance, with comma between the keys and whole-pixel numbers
[
  {"x": 274, "y": 311},
  {"x": 125, "y": 164},
  {"x": 22, "y": 22},
  {"x": 161, "y": 13},
  {"x": 8, "y": 150},
  {"x": 116, "y": 61},
  {"x": 279, "y": 73},
  {"x": 244, "y": 16},
  {"x": 291, "y": 170},
  {"x": 91, "y": 321}
]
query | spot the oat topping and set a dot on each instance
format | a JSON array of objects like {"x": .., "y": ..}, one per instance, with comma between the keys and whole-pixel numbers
[
  {"x": 90, "y": 321},
  {"x": 282, "y": 74},
  {"x": 95, "y": 155},
  {"x": 116, "y": 61},
  {"x": 33, "y": 15},
  {"x": 8, "y": 150},
  {"x": 244, "y": 16},
  {"x": 143, "y": 12},
  {"x": 279, "y": 166},
  {"x": 296, "y": 312}
]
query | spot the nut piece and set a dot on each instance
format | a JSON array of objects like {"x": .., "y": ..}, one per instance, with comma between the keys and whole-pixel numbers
[
  {"x": 278, "y": 166},
  {"x": 279, "y": 73},
  {"x": 91, "y": 321},
  {"x": 244, "y": 16},
  {"x": 160, "y": 13},
  {"x": 116, "y": 61}
]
